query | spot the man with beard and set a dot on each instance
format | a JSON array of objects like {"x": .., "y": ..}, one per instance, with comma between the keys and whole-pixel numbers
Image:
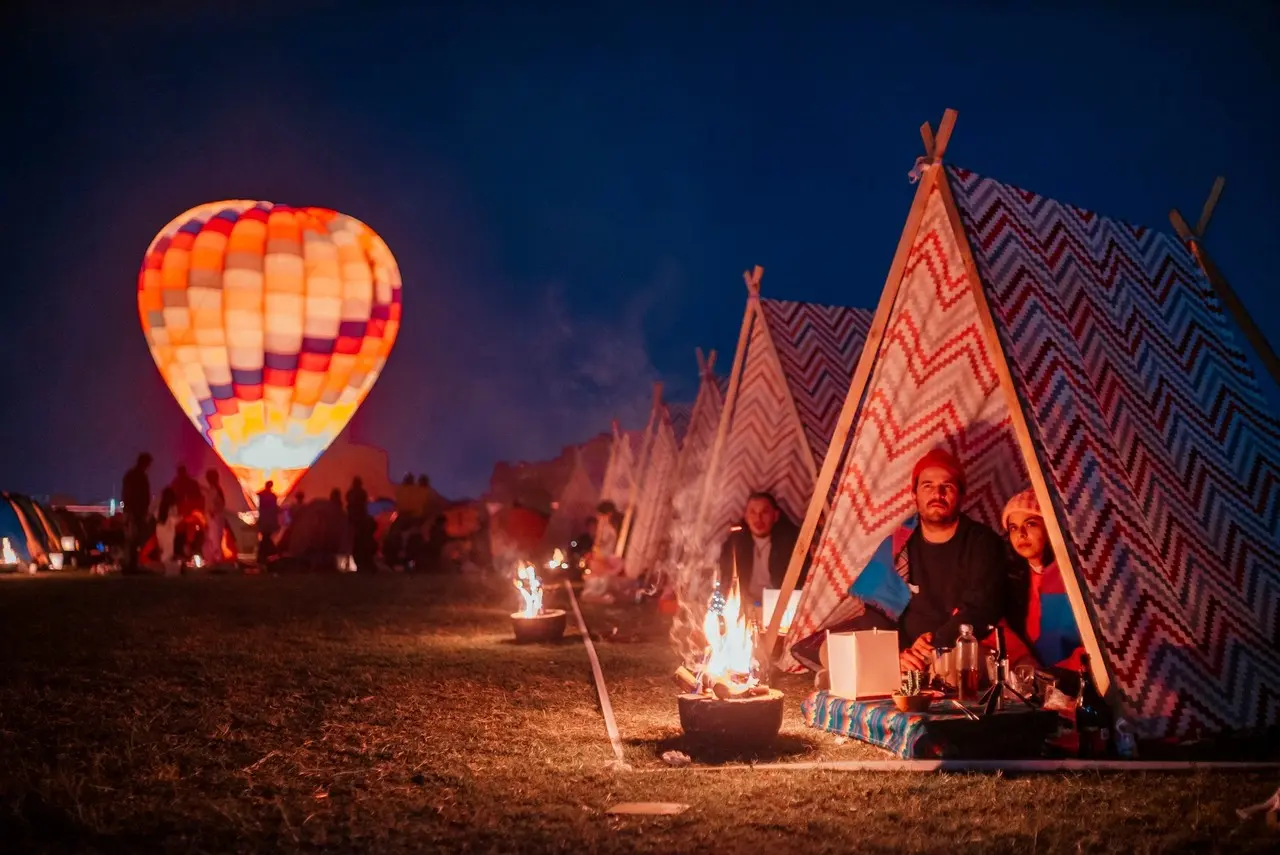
[
  {"x": 955, "y": 565},
  {"x": 760, "y": 548},
  {"x": 947, "y": 567}
]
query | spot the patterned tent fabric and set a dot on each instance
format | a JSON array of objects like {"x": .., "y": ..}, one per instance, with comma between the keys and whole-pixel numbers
[
  {"x": 621, "y": 470},
  {"x": 681, "y": 414},
  {"x": 817, "y": 348},
  {"x": 933, "y": 384},
  {"x": 270, "y": 325},
  {"x": 1161, "y": 460},
  {"x": 808, "y": 367},
  {"x": 686, "y": 493},
  {"x": 652, "y": 514},
  {"x": 1159, "y": 447}
]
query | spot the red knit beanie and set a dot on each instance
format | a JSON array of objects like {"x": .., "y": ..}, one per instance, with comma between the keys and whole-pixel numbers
[{"x": 943, "y": 459}]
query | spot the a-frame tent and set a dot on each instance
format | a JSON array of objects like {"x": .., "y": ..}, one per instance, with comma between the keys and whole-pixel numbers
[
  {"x": 620, "y": 471},
  {"x": 1045, "y": 344},
  {"x": 576, "y": 502},
  {"x": 647, "y": 519},
  {"x": 790, "y": 374},
  {"x": 691, "y": 468},
  {"x": 695, "y": 443},
  {"x": 638, "y": 462},
  {"x": 696, "y": 440}
]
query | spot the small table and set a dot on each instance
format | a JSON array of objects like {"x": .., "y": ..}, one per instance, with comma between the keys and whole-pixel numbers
[{"x": 942, "y": 733}]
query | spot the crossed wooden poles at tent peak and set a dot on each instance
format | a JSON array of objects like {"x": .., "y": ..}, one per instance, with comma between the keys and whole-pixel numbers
[
  {"x": 933, "y": 178},
  {"x": 1195, "y": 242}
]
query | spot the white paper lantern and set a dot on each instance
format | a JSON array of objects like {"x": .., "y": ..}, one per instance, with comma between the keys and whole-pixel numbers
[{"x": 863, "y": 664}]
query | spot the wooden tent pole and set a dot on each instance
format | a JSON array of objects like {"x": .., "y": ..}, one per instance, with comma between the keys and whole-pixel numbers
[
  {"x": 642, "y": 466},
  {"x": 752, "y": 280},
  {"x": 861, "y": 377},
  {"x": 1226, "y": 294},
  {"x": 1072, "y": 580}
]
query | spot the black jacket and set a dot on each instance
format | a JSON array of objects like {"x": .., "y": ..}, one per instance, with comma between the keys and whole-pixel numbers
[
  {"x": 782, "y": 543},
  {"x": 974, "y": 590}
]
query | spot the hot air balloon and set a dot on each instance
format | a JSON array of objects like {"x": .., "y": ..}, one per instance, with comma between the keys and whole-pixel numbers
[{"x": 269, "y": 324}]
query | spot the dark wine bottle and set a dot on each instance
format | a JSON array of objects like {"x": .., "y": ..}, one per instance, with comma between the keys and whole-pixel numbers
[{"x": 1094, "y": 726}]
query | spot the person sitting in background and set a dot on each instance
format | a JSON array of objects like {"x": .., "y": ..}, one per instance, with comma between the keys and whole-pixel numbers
[
  {"x": 580, "y": 548},
  {"x": 605, "y": 566},
  {"x": 760, "y": 547},
  {"x": 1044, "y": 631}
]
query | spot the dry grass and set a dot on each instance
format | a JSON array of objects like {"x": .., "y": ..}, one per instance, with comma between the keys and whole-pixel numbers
[{"x": 392, "y": 714}]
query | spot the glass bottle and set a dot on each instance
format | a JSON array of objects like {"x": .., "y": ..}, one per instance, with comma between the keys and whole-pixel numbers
[
  {"x": 1094, "y": 725},
  {"x": 968, "y": 666}
]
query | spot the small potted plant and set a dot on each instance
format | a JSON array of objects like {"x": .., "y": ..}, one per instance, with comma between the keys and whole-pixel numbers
[{"x": 911, "y": 697}]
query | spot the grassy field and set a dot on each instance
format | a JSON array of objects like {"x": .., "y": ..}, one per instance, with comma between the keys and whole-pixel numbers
[{"x": 392, "y": 714}]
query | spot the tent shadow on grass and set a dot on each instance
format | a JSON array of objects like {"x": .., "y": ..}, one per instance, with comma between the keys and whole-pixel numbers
[
  {"x": 567, "y": 638},
  {"x": 714, "y": 752}
]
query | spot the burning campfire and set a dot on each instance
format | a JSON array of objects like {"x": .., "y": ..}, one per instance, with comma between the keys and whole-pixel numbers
[
  {"x": 530, "y": 588},
  {"x": 726, "y": 697},
  {"x": 729, "y": 668},
  {"x": 533, "y": 622},
  {"x": 8, "y": 555}
]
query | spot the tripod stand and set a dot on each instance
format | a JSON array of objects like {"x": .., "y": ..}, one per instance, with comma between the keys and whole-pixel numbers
[{"x": 993, "y": 700}]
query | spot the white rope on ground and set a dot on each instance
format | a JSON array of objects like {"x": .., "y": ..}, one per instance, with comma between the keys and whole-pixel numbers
[
  {"x": 1064, "y": 765},
  {"x": 607, "y": 708}
]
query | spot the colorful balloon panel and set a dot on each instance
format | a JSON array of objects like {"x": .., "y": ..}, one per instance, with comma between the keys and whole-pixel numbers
[{"x": 269, "y": 324}]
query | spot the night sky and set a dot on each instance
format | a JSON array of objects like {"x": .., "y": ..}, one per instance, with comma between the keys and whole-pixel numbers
[{"x": 572, "y": 191}]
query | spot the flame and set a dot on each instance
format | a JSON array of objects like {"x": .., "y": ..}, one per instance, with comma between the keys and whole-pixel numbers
[
  {"x": 557, "y": 561},
  {"x": 730, "y": 647},
  {"x": 530, "y": 588},
  {"x": 7, "y": 553}
]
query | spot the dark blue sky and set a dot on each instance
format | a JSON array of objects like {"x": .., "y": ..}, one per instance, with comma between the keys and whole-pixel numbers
[{"x": 572, "y": 190}]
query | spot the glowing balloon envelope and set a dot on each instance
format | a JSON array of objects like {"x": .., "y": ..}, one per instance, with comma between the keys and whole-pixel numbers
[{"x": 269, "y": 324}]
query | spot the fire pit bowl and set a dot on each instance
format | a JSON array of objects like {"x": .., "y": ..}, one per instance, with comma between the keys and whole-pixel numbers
[
  {"x": 548, "y": 626},
  {"x": 748, "y": 722}
]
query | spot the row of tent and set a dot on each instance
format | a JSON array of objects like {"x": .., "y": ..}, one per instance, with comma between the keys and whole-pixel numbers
[
  {"x": 1044, "y": 345},
  {"x": 35, "y": 537}
]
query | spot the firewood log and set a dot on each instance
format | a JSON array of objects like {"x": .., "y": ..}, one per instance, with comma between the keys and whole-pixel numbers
[{"x": 686, "y": 680}]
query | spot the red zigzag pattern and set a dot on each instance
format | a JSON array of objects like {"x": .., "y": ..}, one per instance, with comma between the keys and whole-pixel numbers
[
  {"x": 818, "y": 348},
  {"x": 1158, "y": 445},
  {"x": 933, "y": 384},
  {"x": 653, "y": 508},
  {"x": 763, "y": 448}
]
